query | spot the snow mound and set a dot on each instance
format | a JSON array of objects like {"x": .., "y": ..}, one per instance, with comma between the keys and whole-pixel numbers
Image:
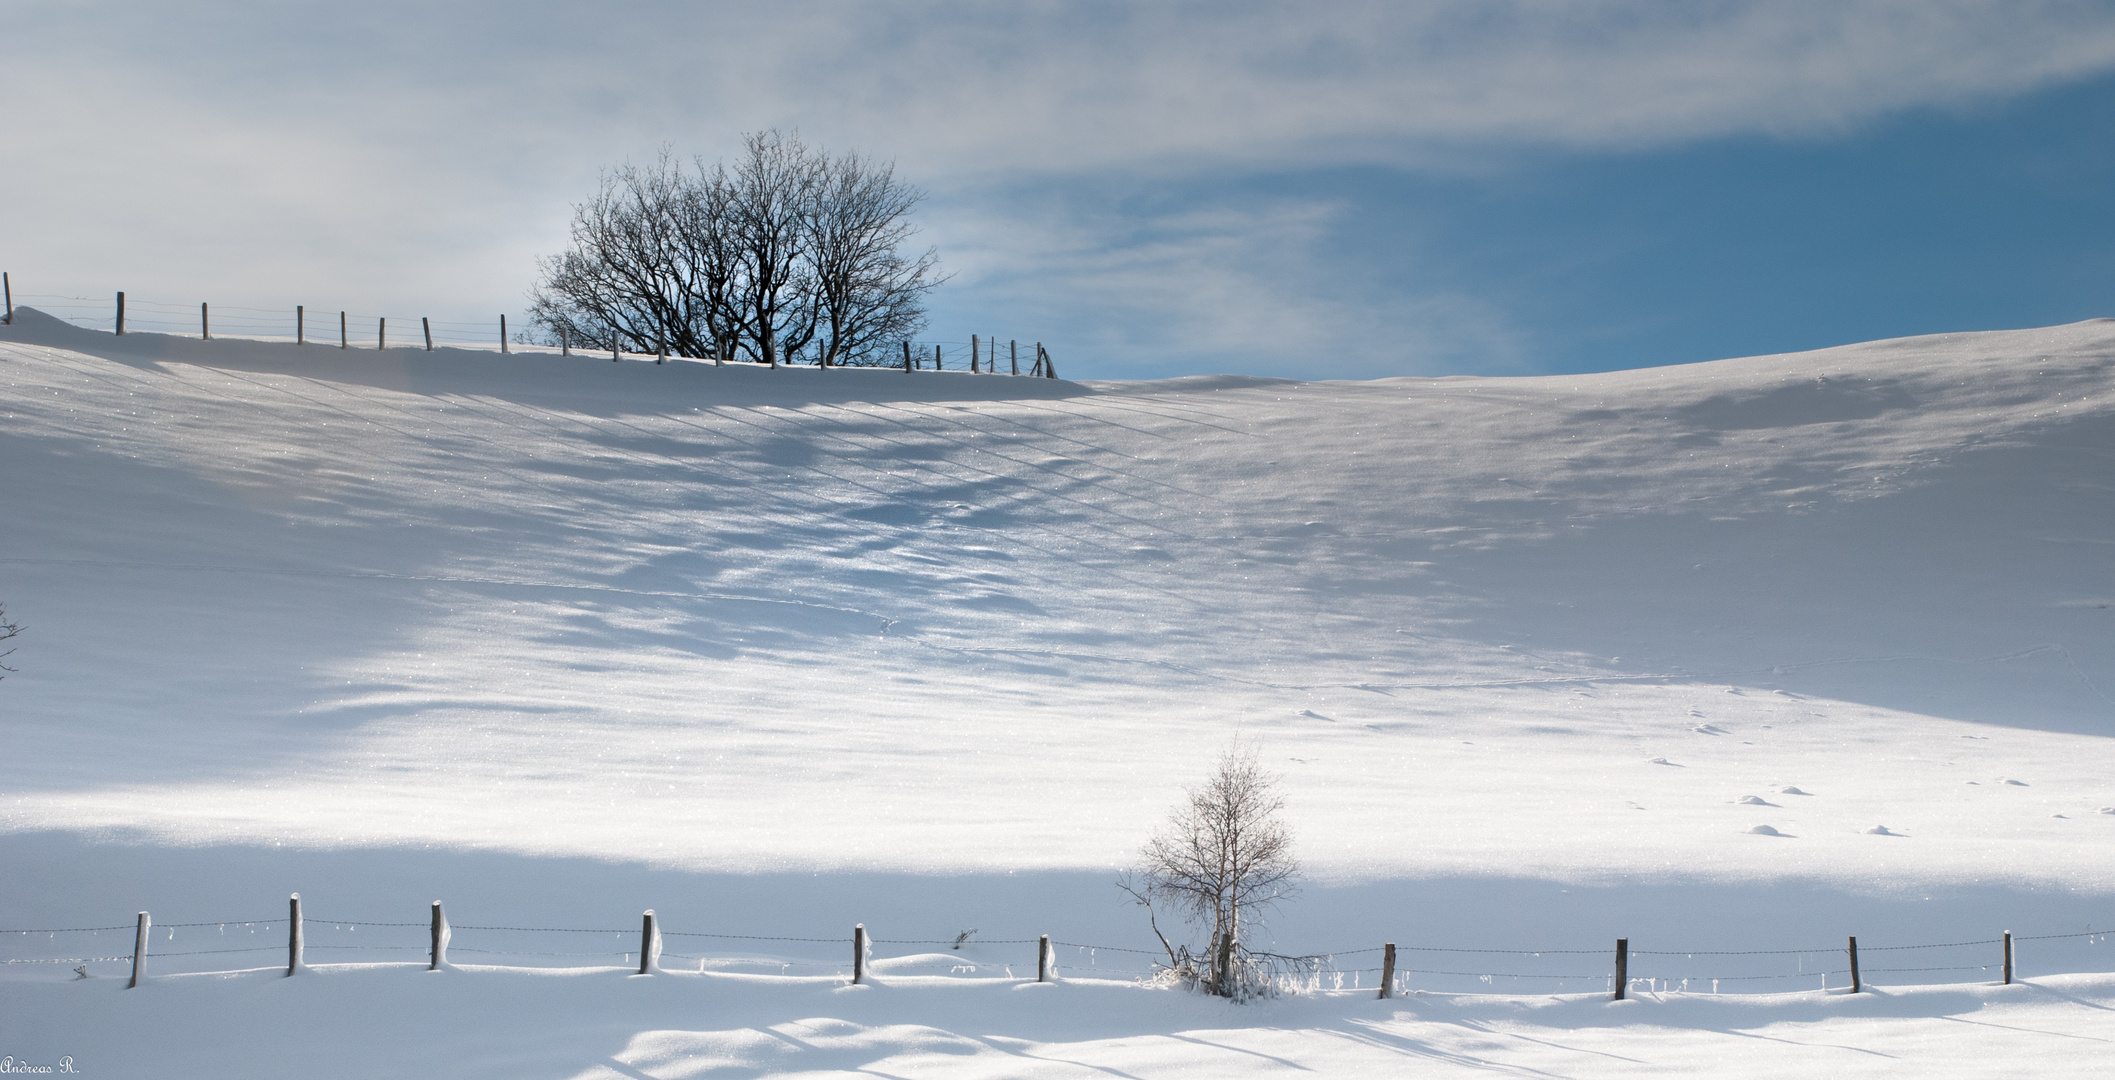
[{"x": 1764, "y": 830}]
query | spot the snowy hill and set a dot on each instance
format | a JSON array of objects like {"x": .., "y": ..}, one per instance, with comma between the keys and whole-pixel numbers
[{"x": 779, "y": 650}]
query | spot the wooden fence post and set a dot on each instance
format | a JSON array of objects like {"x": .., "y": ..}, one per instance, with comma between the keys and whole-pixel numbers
[
  {"x": 565, "y": 341},
  {"x": 661, "y": 353},
  {"x": 859, "y": 943},
  {"x": 205, "y": 325},
  {"x": 441, "y": 934},
  {"x": 121, "y": 313},
  {"x": 139, "y": 949},
  {"x": 293, "y": 934},
  {"x": 1388, "y": 970},
  {"x": 9, "y": 289},
  {"x": 344, "y": 342},
  {"x": 613, "y": 347},
  {"x": 381, "y": 333},
  {"x": 936, "y": 358},
  {"x": 300, "y": 325},
  {"x": 1013, "y": 352},
  {"x": 646, "y": 943},
  {"x": 973, "y": 354},
  {"x": 426, "y": 324},
  {"x": 1042, "y": 958},
  {"x": 1622, "y": 967},
  {"x": 906, "y": 356},
  {"x": 2008, "y": 958},
  {"x": 503, "y": 335},
  {"x": 1857, "y": 984}
]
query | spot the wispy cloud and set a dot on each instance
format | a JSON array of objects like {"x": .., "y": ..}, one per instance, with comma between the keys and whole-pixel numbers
[{"x": 412, "y": 153}]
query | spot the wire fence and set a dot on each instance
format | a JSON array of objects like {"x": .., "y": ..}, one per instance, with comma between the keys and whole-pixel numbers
[
  {"x": 355, "y": 330},
  {"x": 243, "y": 944}
]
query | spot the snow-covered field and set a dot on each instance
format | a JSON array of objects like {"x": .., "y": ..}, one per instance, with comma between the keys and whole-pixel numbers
[{"x": 773, "y": 652}]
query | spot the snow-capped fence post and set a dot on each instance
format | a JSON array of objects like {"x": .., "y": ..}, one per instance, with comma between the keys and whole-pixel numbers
[
  {"x": 441, "y": 934},
  {"x": 344, "y": 341},
  {"x": 2008, "y": 958},
  {"x": 502, "y": 334},
  {"x": 293, "y": 933},
  {"x": 205, "y": 325},
  {"x": 1042, "y": 958},
  {"x": 426, "y": 324},
  {"x": 1622, "y": 967},
  {"x": 121, "y": 313},
  {"x": 1857, "y": 984},
  {"x": 646, "y": 943},
  {"x": 300, "y": 325},
  {"x": 139, "y": 949},
  {"x": 859, "y": 940},
  {"x": 1388, "y": 970}
]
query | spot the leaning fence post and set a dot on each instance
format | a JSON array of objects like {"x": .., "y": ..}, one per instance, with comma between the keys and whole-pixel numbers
[
  {"x": 2008, "y": 958},
  {"x": 646, "y": 943},
  {"x": 1043, "y": 357},
  {"x": 300, "y": 325},
  {"x": 1622, "y": 966},
  {"x": 121, "y": 313},
  {"x": 9, "y": 290},
  {"x": 426, "y": 324},
  {"x": 1388, "y": 970},
  {"x": 859, "y": 946},
  {"x": 1042, "y": 958},
  {"x": 1856, "y": 984},
  {"x": 503, "y": 333},
  {"x": 441, "y": 934},
  {"x": 139, "y": 949},
  {"x": 293, "y": 933}
]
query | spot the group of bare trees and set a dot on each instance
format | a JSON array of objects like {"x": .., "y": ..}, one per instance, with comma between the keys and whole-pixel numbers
[
  {"x": 1224, "y": 857},
  {"x": 787, "y": 254}
]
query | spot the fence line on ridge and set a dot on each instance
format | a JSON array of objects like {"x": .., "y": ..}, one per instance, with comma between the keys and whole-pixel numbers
[{"x": 349, "y": 330}]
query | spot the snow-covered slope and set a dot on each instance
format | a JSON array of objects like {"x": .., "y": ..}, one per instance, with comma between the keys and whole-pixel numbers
[{"x": 1533, "y": 655}]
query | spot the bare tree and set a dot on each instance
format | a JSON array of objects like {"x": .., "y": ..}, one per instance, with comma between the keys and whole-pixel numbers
[
  {"x": 645, "y": 269},
  {"x": 1223, "y": 857},
  {"x": 868, "y": 296},
  {"x": 8, "y": 631},
  {"x": 789, "y": 253}
]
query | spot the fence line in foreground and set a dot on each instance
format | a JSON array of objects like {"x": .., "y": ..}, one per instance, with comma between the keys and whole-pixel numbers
[{"x": 643, "y": 950}]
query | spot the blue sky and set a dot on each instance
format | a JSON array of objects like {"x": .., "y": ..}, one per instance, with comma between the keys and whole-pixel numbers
[{"x": 1314, "y": 191}]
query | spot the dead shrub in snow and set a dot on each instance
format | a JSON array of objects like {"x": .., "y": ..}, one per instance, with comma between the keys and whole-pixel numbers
[
  {"x": 8, "y": 631},
  {"x": 1222, "y": 858}
]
